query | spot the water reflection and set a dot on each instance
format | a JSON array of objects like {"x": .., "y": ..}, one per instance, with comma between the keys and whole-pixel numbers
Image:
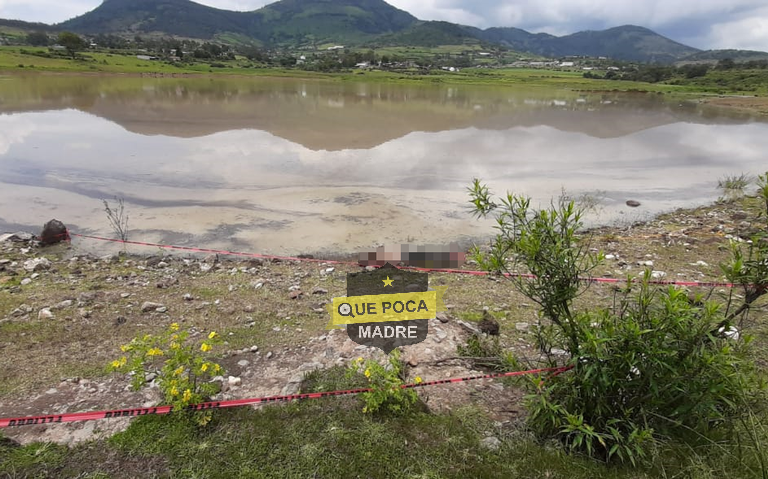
[{"x": 290, "y": 166}]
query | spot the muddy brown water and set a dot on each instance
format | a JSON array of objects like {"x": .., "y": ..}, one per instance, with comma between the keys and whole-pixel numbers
[{"x": 287, "y": 166}]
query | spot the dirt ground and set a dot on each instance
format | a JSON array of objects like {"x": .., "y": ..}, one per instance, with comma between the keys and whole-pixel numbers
[{"x": 63, "y": 319}]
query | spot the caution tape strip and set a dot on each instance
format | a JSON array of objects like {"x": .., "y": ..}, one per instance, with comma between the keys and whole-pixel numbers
[
  {"x": 704, "y": 284},
  {"x": 119, "y": 413}
]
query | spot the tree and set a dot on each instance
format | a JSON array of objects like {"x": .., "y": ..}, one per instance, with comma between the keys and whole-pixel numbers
[
  {"x": 38, "y": 39},
  {"x": 726, "y": 64},
  {"x": 72, "y": 42}
]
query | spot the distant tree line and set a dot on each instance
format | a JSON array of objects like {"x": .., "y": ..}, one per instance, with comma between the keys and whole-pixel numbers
[{"x": 659, "y": 73}]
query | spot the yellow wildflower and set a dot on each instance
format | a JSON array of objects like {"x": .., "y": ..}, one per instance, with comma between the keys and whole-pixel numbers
[
  {"x": 174, "y": 337},
  {"x": 178, "y": 371},
  {"x": 154, "y": 352},
  {"x": 360, "y": 359},
  {"x": 205, "y": 347},
  {"x": 175, "y": 345},
  {"x": 216, "y": 368},
  {"x": 212, "y": 335},
  {"x": 115, "y": 364},
  {"x": 124, "y": 348},
  {"x": 368, "y": 373},
  {"x": 418, "y": 380},
  {"x": 123, "y": 360},
  {"x": 174, "y": 326},
  {"x": 174, "y": 391},
  {"x": 187, "y": 396},
  {"x": 204, "y": 367}
]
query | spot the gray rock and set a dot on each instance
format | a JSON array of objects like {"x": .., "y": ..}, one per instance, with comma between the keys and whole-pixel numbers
[
  {"x": 491, "y": 443},
  {"x": 658, "y": 274},
  {"x": 21, "y": 310},
  {"x": 254, "y": 349},
  {"x": 162, "y": 309},
  {"x": 188, "y": 297},
  {"x": 26, "y": 281},
  {"x": 45, "y": 313},
  {"x": 319, "y": 291},
  {"x": 243, "y": 363},
  {"x": 442, "y": 317},
  {"x": 269, "y": 355},
  {"x": 37, "y": 264},
  {"x": 522, "y": 326},
  {"x": 633, "y": 203},
  {"x": 234, "y": 381},
  {"x": 67, "y": 303},
  {"x": 18, "y": 237},
  {"x": 148, "y": 306}
]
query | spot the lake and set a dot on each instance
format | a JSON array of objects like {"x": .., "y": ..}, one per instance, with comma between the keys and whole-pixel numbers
[{"x": 288, "y": 166}]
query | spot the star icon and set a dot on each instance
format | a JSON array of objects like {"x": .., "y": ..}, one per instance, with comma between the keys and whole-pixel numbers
[{"x": 387, "y": 282}]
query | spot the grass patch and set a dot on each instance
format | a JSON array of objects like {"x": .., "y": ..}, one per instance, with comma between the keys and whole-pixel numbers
[{"x": 331, "y": 438}]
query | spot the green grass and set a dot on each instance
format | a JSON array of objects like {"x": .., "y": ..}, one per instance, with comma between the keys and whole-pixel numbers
[{"x": 331, "y": 438}]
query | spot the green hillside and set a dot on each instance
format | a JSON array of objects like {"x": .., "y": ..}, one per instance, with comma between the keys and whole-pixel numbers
[{"x": 355, "y": 23}]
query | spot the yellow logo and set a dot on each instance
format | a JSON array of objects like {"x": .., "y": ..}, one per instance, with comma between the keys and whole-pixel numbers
[{"x": 379, "y": 308}]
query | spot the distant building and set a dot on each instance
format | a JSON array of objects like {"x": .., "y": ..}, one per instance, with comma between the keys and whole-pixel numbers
[
  {"x": 336, "y": 47},
  {"x": 566, "y": 64},
  {"x": 146, "y": 57},
  {"x": 484, "y": 54}
]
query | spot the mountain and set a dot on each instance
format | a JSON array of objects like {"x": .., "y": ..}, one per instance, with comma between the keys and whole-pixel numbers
[
  {"x": 628, "y": 42},
  {"x": 283, "y": 22},
  {"x": 372, "y": 23}
]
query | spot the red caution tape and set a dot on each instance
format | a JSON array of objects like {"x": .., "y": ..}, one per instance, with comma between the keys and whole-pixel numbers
[
  {"x": 117, "y": 413},
  {"x": 707, "y": 284}
]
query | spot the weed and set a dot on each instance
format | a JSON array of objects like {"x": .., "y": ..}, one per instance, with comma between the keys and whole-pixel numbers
[
  {"x": 118, "y": 218},
  {"x": 184, "y": 377},
  {"x": 385, "y": 382}
]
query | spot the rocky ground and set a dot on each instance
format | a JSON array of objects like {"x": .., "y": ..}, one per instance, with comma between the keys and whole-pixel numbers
[{"x": 63, "y": 316}]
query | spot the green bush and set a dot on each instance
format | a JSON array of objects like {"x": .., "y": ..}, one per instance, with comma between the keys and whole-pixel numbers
[
  {"x": 653, "y": 365},
  {"x": 184, "y": 370},
  {"x": 651, "y": 369},
  {"x": 386, "y": 384}
]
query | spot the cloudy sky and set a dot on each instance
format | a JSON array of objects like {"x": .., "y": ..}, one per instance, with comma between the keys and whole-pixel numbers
[{"x": 699, "y": 23}]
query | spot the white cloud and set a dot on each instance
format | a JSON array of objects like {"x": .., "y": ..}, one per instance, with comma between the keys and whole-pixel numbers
[{"x": 701, "y": 23}]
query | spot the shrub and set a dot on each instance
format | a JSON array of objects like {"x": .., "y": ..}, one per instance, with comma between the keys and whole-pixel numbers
[
  {"x": 386, "y": 383},
  {"x": 183, "y": 369},
  {"x": 653, "y": 365}
]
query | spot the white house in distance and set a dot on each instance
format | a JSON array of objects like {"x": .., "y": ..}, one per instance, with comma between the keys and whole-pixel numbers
[
  {"x": 566, "y": 64},
  {"x": 336, "y": 47}
]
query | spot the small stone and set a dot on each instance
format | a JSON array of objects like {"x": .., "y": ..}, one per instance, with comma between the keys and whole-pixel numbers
[
  {"x": 254, "y": 349},
  {"x": 243, "y": 363},
  {"x": 188, "y": 297},
  {"x": 276, "y": 329},
  {"x": 658, "y": 274},
  {"x": 491, "y": 443},
  {"x": 26, "y": 281},
  {"x": 610, "y": 256},
  {"x": 319, "y": 291},
  {"x": 34, "y": 276},
  {"x": 633, "y": 203},
  {"x": 330, "y": 270},
  {"x": 52, "y": 391},
  {"x": 205, "y": 267},
  {"x": 700, "y": 263},
  {"x": 442, "y": 317},
  {"x": 645, "y": 263},
  {"x": 296, "y": 294},
  {"x": 413, "y": 363},
  {"x": 149, "y": 377},
  {"x": 522, "y": 326},
  {"x": 148, "y": 306},
  {"x": 67, "y": 303},
  {"x": 162, "y": 309},
  {"x": 37, "y": 264},
  {"x": 234, "y": 381},
  {"x": 84, "y": 313},
  {"x": 45, "y": 313},
  {"x": 269, "y": 355},
  {"x": 162, "y": 265}
]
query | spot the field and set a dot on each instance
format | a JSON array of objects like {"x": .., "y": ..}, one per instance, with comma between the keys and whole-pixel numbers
[{"x": 328, "y": 437}]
